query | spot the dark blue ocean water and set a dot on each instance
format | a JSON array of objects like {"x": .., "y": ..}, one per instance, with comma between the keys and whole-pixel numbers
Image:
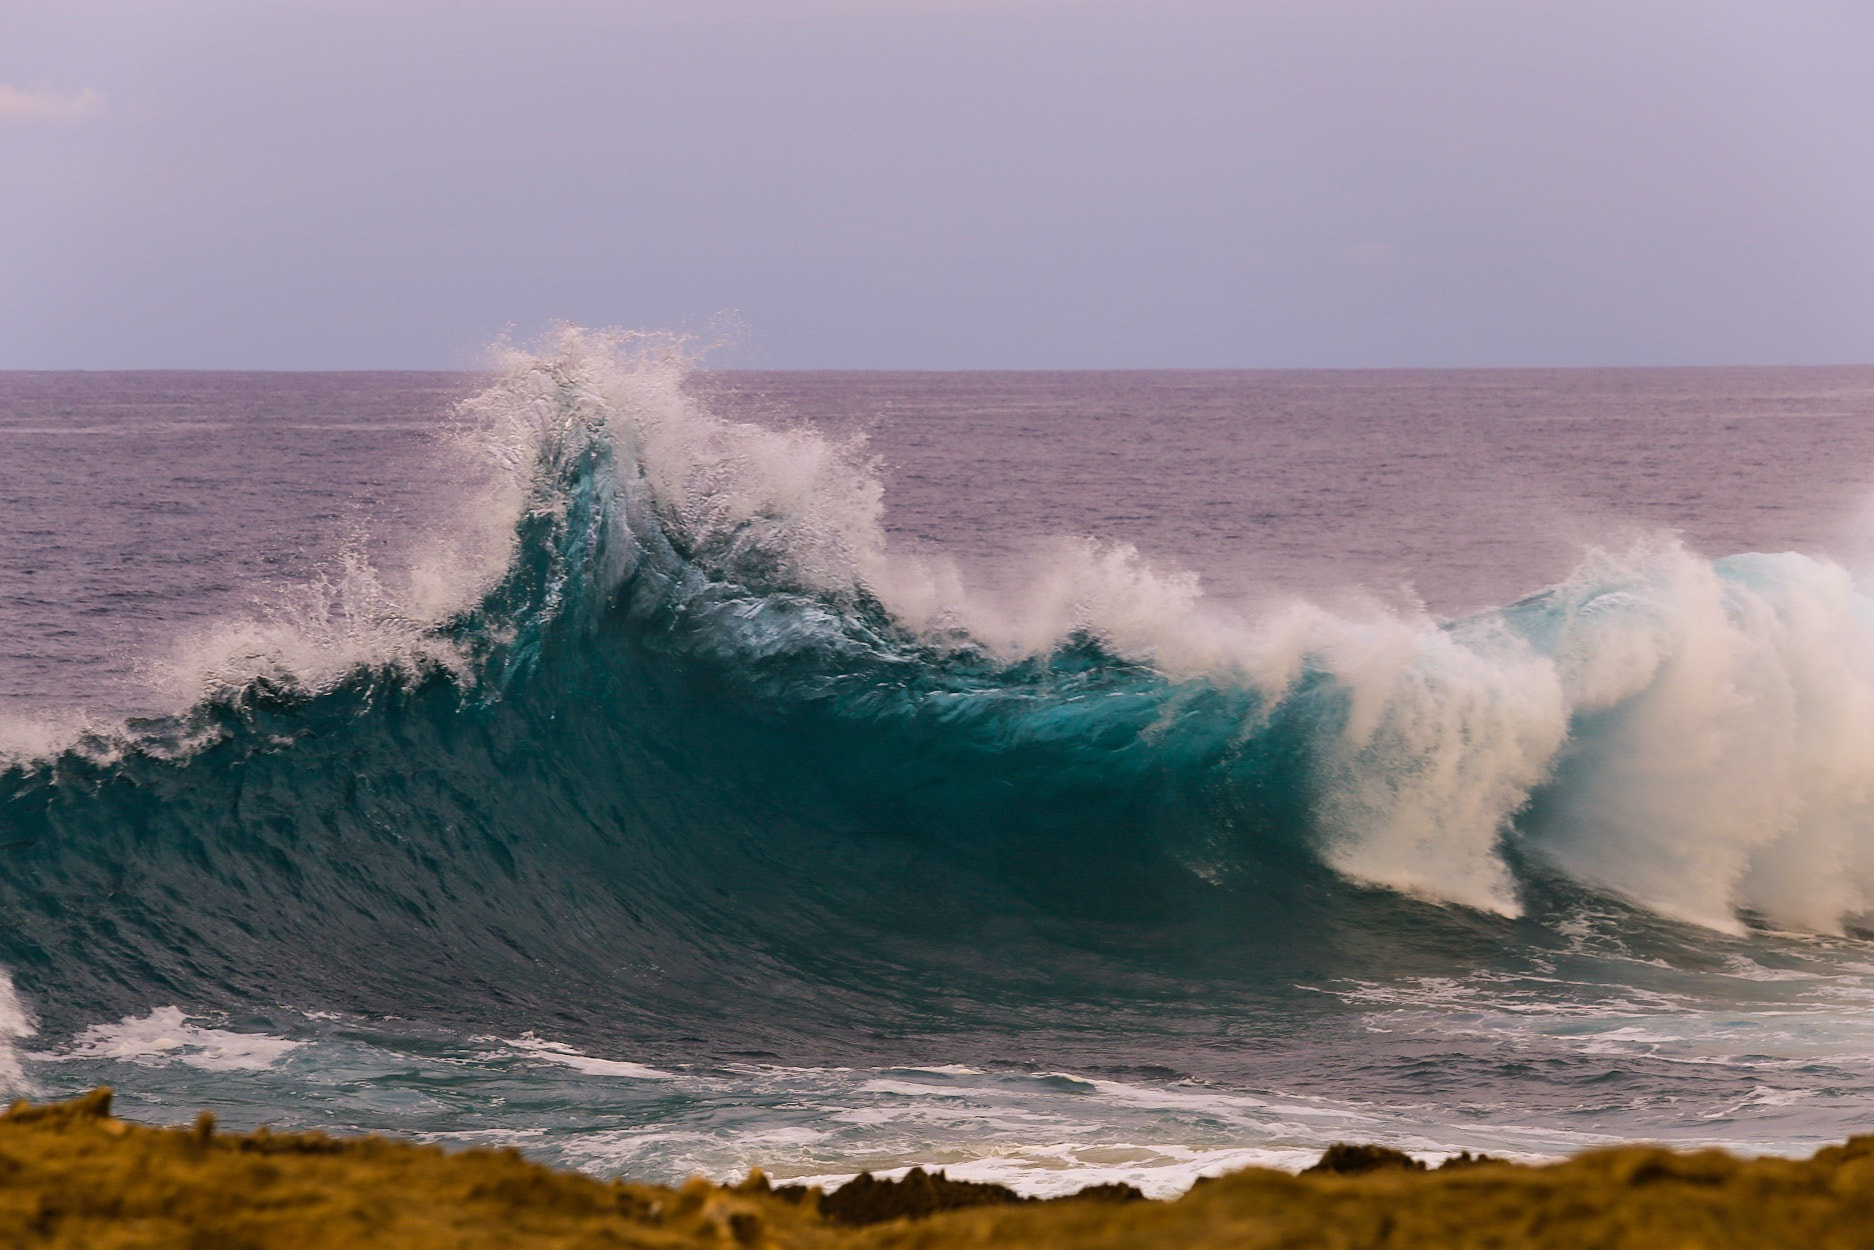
[{"x": 1052, "y": 777}]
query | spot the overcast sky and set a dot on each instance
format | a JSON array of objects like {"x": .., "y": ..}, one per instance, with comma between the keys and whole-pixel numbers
[{"x": 930, "y": 184}]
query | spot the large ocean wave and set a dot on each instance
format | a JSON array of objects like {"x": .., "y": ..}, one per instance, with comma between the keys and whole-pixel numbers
[{"x": 663, "y": 729}]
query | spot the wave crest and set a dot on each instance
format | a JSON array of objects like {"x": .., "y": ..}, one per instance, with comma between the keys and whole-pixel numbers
[{"x": 656, "y": 655}]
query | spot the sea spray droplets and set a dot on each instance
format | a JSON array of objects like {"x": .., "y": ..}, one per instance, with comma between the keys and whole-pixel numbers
[
  {"x": 16, "y": 1025},
  {"x": 1446, "y": 735},
  {"x": 738, "y": 498},
  {"x": 1724, "y": 747}
]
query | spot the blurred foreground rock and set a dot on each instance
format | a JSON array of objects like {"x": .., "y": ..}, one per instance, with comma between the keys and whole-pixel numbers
[{"x": 72, "y": 1176}]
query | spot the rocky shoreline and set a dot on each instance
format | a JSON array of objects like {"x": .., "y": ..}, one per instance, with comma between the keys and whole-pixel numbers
[{"x": 71, "y": 1175}]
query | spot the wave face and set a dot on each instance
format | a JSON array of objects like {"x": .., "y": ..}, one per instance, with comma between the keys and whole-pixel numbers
[{"x": 695, "y": 744}]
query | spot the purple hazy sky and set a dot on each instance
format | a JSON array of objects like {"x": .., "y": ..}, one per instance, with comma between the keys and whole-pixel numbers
[{"x": 930, "y": 184}]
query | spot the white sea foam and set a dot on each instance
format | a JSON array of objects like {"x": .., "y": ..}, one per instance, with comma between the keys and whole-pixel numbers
[
  {"x": 1042, "y": 1134},
  {"x": 1057, "y": 1168},
  {"x": 26, "y": 736},
  {"x": 533, "y": 1046},
  {"x": 166, "y": 1036}
]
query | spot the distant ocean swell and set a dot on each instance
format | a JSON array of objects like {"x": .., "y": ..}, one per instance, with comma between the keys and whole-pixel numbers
[{"x": 689, "y": 739}]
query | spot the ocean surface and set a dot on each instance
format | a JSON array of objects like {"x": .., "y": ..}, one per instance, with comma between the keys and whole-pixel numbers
[{"x": 1056, "y": 778}]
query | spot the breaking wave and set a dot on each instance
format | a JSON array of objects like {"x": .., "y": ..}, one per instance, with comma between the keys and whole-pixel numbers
[{"x": 664, "y": 727}]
